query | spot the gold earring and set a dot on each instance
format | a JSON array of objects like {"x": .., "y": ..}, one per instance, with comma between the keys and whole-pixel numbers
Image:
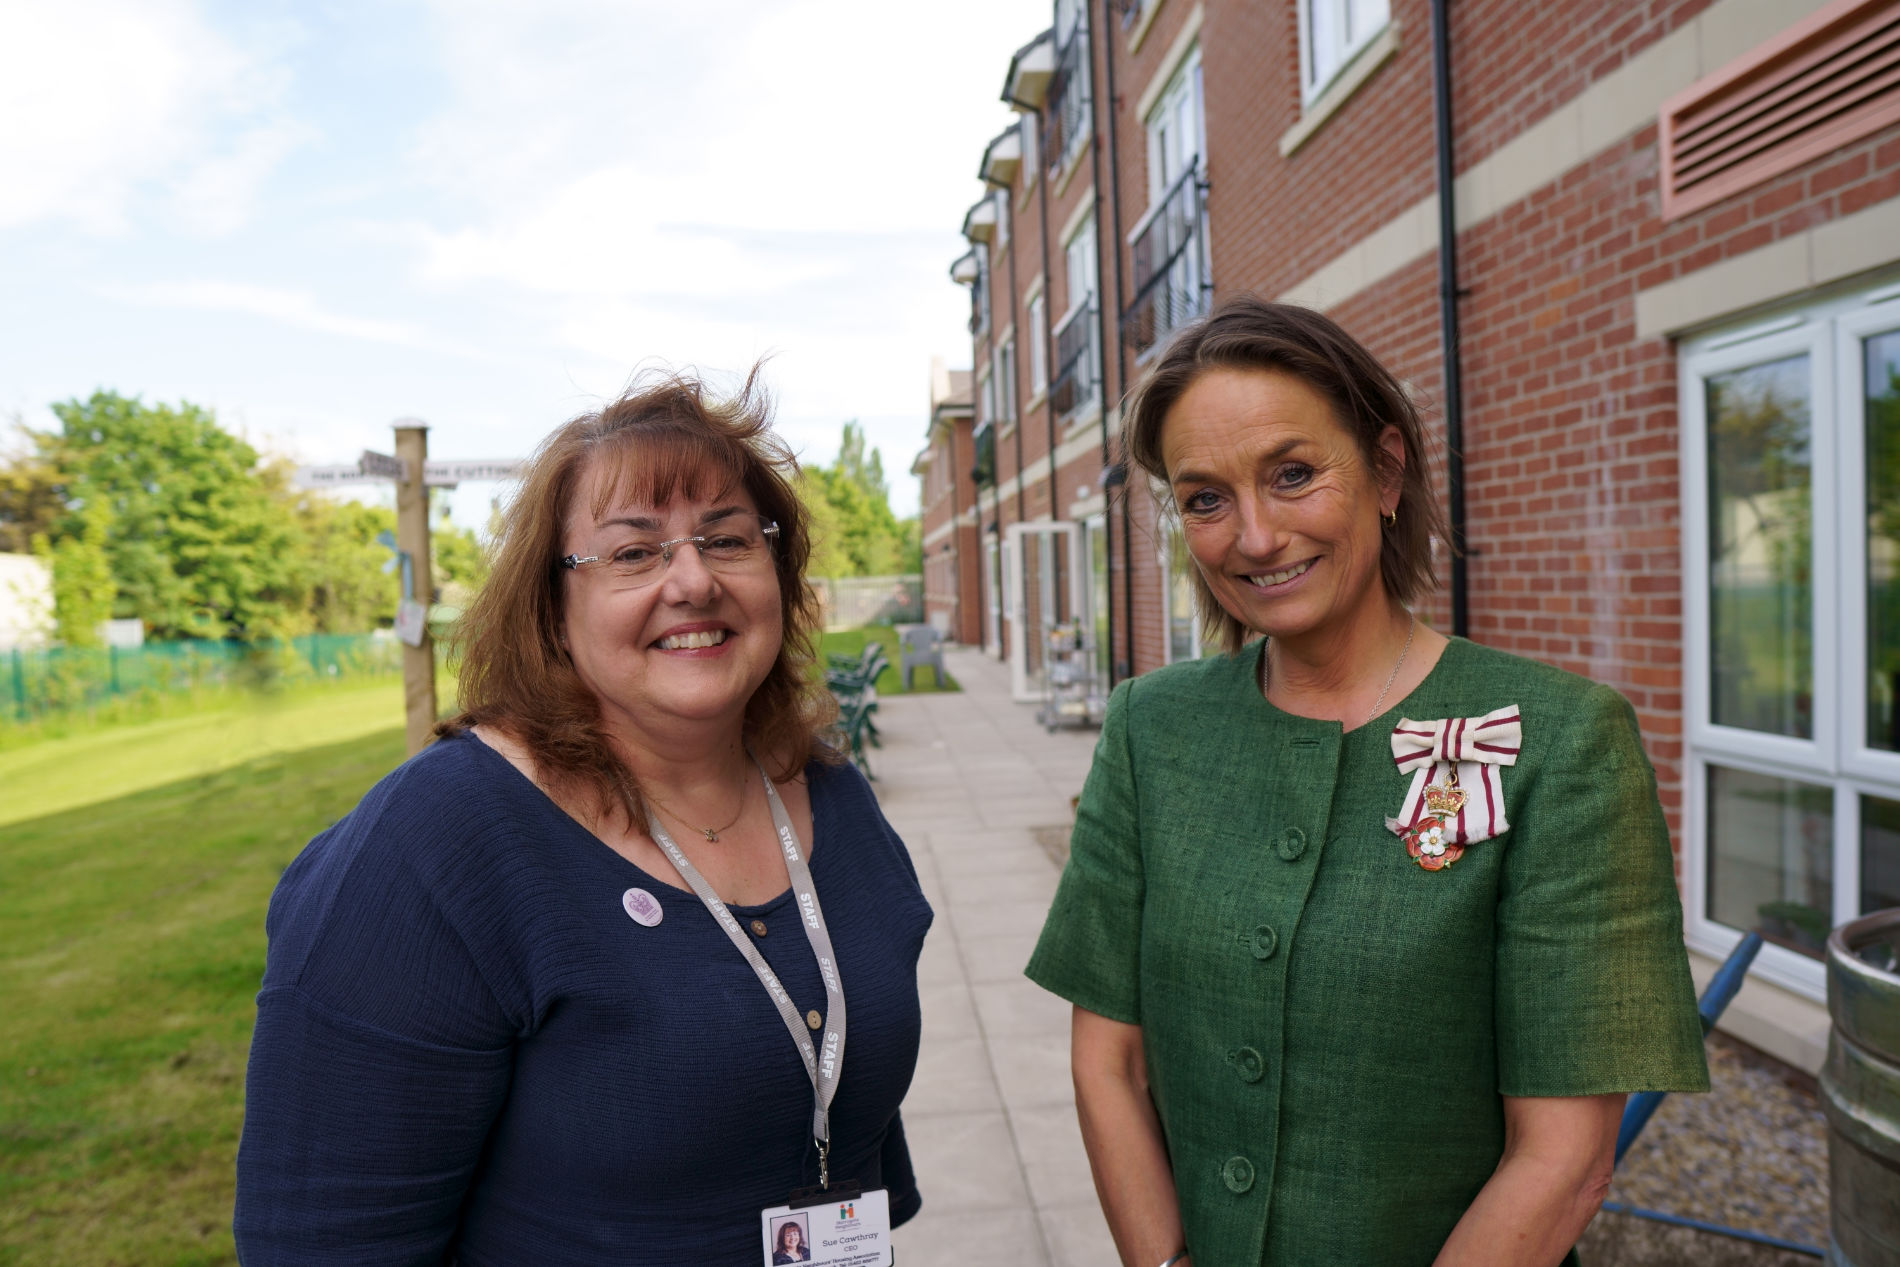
[{"x": 1392, "y": 519}]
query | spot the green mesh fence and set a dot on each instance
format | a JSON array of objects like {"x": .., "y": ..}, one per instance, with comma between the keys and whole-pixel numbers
[{"x": 40, "y": 683}]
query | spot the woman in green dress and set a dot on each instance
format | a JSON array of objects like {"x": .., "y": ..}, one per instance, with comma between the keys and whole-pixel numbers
[{"x": 1369, "y": 931}]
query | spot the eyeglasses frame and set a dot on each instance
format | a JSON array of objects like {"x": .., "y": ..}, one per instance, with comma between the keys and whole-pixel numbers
[{"x": 574, "y": 562}]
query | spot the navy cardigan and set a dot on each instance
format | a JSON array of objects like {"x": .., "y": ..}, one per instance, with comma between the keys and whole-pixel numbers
[{"x": 468, "y": 1052}]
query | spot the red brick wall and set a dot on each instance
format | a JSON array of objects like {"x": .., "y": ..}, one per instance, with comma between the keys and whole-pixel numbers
[{"x": 1572, "y": 480}]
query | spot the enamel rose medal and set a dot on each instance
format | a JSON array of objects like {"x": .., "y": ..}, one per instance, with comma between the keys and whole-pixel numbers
[
  {"x": 1427, "y": 839},
  {"x": 1457, "y": 794}
]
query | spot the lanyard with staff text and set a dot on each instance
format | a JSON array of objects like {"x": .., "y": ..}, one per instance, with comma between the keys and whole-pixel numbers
[{"x": 824, "y": 1069}]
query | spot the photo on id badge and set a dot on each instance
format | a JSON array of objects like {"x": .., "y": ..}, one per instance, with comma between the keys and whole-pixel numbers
[{"x": 849, "y": 1231}]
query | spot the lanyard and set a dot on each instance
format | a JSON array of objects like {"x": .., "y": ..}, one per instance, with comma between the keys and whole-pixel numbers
[{"x": 824, "y": 1071}]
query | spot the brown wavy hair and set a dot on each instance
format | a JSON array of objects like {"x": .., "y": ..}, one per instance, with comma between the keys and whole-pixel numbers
[
  {"x": 1247, "y": 332},
  {"x": 667, "y": 436}
]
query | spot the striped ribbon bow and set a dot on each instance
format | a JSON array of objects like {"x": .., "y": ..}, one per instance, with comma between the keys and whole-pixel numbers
[{"x": 1472, "y": 746}]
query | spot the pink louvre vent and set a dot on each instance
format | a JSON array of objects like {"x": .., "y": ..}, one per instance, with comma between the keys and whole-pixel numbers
[{"x": 1822, "y": 83}]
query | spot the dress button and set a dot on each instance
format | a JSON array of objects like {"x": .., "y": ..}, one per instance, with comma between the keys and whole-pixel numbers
[
  {"x": 1265, "y": 942},
  {"x": 1237, "y": 1174},
  {"x": 1247, "y": 1063},
  {"x": 814, "y": 1020},
  {"x": 758, "y": 928},
  {"x": 1292, "y": 844}
]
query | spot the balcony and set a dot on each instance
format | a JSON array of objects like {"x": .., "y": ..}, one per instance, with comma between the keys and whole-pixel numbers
[
  {"x": 1027, "y": 84},
  {"x": 1172, "y": 286},
  {"x": 1003, "y": 157},
  {"x": 1066, "y": 122},
  {"x": 1074, "y": 386}
]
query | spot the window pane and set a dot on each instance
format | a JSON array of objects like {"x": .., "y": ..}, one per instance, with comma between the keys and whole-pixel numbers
[
  {"x": 1098, "y": 591},
  {"x": 1364, "y": 17},
  {"x": 1883, "y": 541},
  {"x": 1760, "y": 540},
  {"x": 1879, "y": 854},
  {"x": 1180, "y": 600},
  {"x": 1322, "y": 26},
  {"x": 1771, "y": 857}
]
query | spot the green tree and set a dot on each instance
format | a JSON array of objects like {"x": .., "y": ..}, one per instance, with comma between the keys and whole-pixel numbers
[
  {"x": 457, "y": 558},
  {"x": 348, "y": 590},
  {"x": 31, "y": 502},
  {"x": 83, "y": 588},
  {"x": 854, "y": 531},
  {"x": 203, "y": 540}
]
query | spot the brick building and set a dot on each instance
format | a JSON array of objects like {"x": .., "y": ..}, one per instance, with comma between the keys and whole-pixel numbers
[{"x": 1672, "y": 275}]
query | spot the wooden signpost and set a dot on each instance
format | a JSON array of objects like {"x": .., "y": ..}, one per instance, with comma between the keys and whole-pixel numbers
[{"x": 414, "y": 475}]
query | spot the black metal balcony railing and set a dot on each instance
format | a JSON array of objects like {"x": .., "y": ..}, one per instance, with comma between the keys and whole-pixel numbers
[
  {"x": 1066, "y": 107},
  {"x": 1074, "y": 383},
  {"x": 1172, "y": 286},
  {"x": 980, "y": 302},
  {"x": 983, "y": 471}
]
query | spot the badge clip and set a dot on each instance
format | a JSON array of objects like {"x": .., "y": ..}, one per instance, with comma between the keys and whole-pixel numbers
[{"x": 804, "y": 1198}]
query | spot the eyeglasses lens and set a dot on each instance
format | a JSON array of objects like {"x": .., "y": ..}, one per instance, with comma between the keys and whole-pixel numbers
[{"x": 736, "y": 547}]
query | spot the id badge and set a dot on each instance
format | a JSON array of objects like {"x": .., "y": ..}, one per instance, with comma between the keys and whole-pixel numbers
[{"x": 843, "y": 1231}]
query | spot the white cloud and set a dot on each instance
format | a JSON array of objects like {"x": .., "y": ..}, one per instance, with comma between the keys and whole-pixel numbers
[
  {"x": 601, "y": 235},
  {"x": 108, "y": 99},
  {"x": 288, "y": 307},
  {"x": 218, "y": 193},
  {"x": 712, "y": 182}
]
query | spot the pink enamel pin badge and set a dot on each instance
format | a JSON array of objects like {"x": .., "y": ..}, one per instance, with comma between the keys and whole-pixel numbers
[{"x": 642, "y": 906}]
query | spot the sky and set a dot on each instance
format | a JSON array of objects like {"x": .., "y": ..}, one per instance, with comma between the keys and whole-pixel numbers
[{"x": 318, "y": 217}]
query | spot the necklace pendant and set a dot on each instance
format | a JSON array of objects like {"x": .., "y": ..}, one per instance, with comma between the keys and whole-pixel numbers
[{"x": 709, "y": 834}]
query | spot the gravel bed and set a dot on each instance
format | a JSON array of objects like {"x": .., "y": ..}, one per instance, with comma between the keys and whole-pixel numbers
[{"x": 1752, "y": 1154}]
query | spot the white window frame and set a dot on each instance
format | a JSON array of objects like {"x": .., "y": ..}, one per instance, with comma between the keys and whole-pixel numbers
[
  {"x": 1077, "y": 296},
  {"x": 985, "y": 399},
  {"x": 1187, "y": 82},
  {"x": 1830, "y": 334},
  {"x": 1038, "y": 336},
  {"x": 1315, "y": 79},
  {"x": 1069, "y": 14},
  {"x": 1003, "y": 380},
  {"x": 999, "y": 198},
  {"x": 985, "y": 297},
  {"x": 1170, "y": 532}
]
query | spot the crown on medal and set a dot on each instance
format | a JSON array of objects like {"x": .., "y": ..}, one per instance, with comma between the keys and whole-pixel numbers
[{"x": 1443, "y": 800}]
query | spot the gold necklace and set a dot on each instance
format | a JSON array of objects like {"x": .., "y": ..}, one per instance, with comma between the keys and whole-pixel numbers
[
  {"x": 1266, "y": 668},
  {"x": 710, "y": 833}
]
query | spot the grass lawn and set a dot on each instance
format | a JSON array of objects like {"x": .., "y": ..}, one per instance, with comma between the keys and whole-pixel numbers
[
  {"x": 131, "y": 945},
  {"x": 108, "y": 761},
  {"x": 136, "y": 864},
  {"x": 890, "y": 682}
]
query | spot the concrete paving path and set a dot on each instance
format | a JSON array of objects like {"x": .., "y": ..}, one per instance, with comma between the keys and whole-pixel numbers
[{"x": 966, "y": 778}]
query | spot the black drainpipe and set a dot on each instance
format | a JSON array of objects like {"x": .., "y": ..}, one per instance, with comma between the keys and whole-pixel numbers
[
  {"x": 1127, "y": 668},
  {"x": 1448, "y": 296}
]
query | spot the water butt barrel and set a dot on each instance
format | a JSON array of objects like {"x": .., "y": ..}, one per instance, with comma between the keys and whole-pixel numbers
[{"x": 1860, "y": 1088}]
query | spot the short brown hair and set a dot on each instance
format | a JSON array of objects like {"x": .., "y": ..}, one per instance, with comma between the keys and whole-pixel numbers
[
  {"x": 1247, "y": 332},
  {"x": 665, "y": 437}
]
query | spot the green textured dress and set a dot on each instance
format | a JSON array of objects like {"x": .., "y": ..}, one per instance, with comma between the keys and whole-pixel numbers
[{"x": 1329, "y": 1026}]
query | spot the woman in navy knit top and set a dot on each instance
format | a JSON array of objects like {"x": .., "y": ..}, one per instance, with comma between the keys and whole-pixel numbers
[{"x": 503, "y": 1019}]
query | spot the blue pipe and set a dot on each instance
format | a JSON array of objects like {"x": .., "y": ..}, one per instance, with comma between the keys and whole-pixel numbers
[{"x": 1734, "y": 1233}]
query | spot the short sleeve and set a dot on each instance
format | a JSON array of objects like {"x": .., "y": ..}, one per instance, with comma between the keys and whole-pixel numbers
[
  {"x": 1593, "y": 988},
  {"x": 1090, "y": 948},
  {"x": 378, "y": 1065}
]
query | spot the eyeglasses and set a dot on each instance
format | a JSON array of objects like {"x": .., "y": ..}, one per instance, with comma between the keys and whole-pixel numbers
[{"x": 741, "y": 546}]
